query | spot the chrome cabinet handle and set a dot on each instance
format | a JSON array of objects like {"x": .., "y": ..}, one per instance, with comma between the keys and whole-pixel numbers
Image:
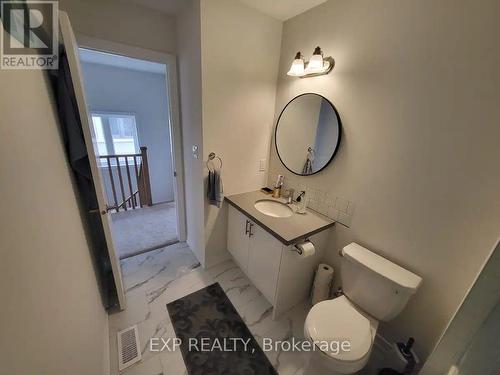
[
  {"x": 250, "y": 234},
  {"x": 246, "y": 227}
]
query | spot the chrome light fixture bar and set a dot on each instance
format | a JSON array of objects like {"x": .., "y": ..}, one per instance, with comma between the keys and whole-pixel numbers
[{"x": 316, "y": 66}]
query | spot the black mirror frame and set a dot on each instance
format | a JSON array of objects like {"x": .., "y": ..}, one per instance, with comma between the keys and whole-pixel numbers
[{"x": 336, "y": 147}]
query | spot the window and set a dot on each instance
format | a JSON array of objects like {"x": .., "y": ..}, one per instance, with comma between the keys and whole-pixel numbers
[
  {"x": 99, "y": 135},
  {"x": 115, "y": 134}
]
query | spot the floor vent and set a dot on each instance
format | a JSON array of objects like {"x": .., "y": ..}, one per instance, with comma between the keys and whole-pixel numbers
[{"x": 128, "y": 347}]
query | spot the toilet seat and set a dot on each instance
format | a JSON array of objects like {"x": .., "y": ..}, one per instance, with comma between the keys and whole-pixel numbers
[{"x": 338, "y": 320}]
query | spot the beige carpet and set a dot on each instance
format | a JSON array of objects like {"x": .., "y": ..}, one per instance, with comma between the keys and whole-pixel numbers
[{"x": 143, "y": 229}]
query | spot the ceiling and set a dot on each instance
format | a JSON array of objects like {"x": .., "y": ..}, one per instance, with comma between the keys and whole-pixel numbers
[
  {"x": 279, "y": 9},
  {"x": 282, "y": 9},
  {"x": 164, "y": 6},
  {"x": 95, "y": 57}
]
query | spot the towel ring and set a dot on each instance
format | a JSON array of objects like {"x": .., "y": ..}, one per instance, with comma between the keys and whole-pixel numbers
[{"x": 211, "y": 157}]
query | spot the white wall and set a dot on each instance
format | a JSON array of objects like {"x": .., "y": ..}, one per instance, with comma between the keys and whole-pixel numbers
[
  {"x": 189, "y": 55},
  {"x": 121, "y": 22},
  {"x": 52, "y": 319},
  {"x": 239, "y": 56},
  {"x": 144, "y": 94},
  {"x": 416, "y": 84}
]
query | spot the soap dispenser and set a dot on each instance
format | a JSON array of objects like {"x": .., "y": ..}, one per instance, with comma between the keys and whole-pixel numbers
[{"x": 302, "y": 202}]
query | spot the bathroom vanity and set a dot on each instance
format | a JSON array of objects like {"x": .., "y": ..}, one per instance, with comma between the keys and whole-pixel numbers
[
  {"x": 262, "y": 234},
  {"x": 269, "y": 239}
]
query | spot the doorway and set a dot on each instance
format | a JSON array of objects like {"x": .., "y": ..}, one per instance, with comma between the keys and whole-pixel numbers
[
  {"x": 133, "y": 118},
  {"x": 469, "y": 343}
]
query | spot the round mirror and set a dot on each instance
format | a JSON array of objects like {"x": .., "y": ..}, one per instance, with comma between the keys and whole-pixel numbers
[{"x": 307, "y": 134}]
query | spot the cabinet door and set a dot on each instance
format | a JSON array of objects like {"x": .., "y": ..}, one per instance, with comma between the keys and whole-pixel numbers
[
  {"x": 264, "y": 258},
  {"x": 237, "y": 237}
]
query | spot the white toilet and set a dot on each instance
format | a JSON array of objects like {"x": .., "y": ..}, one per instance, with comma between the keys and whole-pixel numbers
[{"x": 374, "y": 289}]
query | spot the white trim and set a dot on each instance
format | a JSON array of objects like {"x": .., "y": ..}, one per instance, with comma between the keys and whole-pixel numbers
[
  {"x": 170, "y": 62},
  {"x": 96, "y": 44},
  {"x": 113, "y": 113},
  {"x": 106, "y": 362}
]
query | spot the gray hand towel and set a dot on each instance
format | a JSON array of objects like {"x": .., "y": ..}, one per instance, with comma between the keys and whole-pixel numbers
[
  {"x": 215, "y": 192},
  {"x": 308, "y": 166}
]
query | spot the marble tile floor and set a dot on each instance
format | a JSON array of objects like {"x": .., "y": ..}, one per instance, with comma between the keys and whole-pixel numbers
[{"x": 161, "y": 276}]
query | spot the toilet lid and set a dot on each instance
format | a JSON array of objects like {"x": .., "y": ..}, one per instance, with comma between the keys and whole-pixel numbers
[{"x": 336, "y": 321}]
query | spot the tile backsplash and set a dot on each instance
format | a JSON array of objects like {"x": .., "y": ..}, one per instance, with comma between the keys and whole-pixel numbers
[{"x": 336, "y": 208}]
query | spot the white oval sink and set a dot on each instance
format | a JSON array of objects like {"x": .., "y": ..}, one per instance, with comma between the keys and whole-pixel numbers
[{"x": 273, "y": 208}]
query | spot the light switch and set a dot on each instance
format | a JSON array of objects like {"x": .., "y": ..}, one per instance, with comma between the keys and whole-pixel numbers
[{"x": 262, "y": 165}]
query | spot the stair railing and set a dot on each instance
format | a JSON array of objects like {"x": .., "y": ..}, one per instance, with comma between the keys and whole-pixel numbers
[{"x": 135, "y": 191}]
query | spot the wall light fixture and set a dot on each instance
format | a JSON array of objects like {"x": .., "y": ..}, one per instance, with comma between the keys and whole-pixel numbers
[{"x": 316, "y": 66}]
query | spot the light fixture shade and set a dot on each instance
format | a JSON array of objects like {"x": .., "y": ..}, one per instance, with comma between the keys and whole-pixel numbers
[
  {"x": 316, "y": 61},
  {"x": 297, "y": 68}
]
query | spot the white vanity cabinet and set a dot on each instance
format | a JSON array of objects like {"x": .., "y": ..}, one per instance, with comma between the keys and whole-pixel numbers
[
  {"x": 238, "y": 239},
  {"x": 263, "y": 246},
  {"x": 255, "y": 251}
]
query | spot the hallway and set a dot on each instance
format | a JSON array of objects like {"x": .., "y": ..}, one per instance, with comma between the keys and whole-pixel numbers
[{"x": 140, "y": 230}]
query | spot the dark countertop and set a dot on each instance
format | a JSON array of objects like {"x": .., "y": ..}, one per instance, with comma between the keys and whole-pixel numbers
[{"x": 289, "y": 229}]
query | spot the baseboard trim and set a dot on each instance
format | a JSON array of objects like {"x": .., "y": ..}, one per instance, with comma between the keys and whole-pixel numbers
[{"x": 106, "y": 363}]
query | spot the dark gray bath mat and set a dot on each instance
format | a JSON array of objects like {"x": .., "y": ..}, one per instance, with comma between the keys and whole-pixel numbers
[{"x": 208, "y": 315}]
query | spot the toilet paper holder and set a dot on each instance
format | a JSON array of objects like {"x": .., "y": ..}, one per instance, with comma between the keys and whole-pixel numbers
[{"x": 296, "y": 249}]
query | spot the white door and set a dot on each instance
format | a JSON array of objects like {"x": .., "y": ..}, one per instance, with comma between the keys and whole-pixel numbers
[
  {"x": 71, "y": 47},
  {"x": 264, "y": 258},
  {"x": 237, "y": 237}
]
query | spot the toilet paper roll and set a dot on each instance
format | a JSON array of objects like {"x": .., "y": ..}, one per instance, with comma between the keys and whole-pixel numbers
[
  {"x": 307, "y": 249},
  {"x": 322, "y": 283}
]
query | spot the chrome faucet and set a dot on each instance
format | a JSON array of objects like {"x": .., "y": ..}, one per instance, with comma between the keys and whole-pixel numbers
[
  {"x": 302, "y": 202},
  {"x": 300, "y": 196}
]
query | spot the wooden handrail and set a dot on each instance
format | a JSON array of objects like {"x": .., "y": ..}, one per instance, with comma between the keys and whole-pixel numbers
[
  {"x": 131, "y": 199},
  {"x": 119, "y": 155}
]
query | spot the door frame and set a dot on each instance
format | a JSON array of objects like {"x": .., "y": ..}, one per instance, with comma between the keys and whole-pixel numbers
[{"x": 172, "y": 82}]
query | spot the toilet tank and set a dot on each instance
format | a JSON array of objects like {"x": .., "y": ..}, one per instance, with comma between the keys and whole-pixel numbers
[{"x": 375, "y": 284}]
